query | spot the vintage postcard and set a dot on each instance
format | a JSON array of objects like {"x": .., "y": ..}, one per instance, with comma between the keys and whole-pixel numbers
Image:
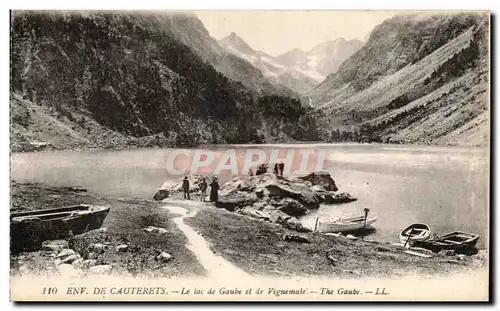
[{"x": 249, "y": 155}]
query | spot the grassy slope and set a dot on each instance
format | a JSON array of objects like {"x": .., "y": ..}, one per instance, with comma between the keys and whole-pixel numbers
[{"x": 258, "y": 248}]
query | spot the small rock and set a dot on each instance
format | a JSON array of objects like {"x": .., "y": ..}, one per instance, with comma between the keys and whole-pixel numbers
[
  {"x": 296, "y": 238},
  {"x": 259, "y": 193},
  {"x": 99, "y": 247},
  {"x": 446, "y": 252},
  {"x": 78, "y": 263},
  {"x": 102, "y": 230},
  {"x": 65, "y": 253},
  {"x": 101, "y": 269},
  {"x": 122, "y": 248},
  {"x": 92, "y": 255},
  {"x": 383, "y": 249},
  {"x": 153, "y": 229},
  {"x": 87, "y": 264},
  {"x": 55, "y": 245},
  {"x": 164, "y": 257},
  {"x": 332, "y": 259},
  {"x": 351, "y": 237},
  {"x": 461, "y": 257},
  {"x": 70, "y": 259}
]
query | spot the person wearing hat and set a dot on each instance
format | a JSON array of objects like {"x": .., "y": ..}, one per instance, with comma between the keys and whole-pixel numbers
[
  {"x": 203, "y": 188},
  {"x": 214, "y": 190}
]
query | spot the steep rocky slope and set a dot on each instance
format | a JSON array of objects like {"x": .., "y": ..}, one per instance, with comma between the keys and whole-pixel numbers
[
  {"x": 131, "y": 75},
  {"x": 419, "y": 79},
  {"x": 298, "y": 70}
]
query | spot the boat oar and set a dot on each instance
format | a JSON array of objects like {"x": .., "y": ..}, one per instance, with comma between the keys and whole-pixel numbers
[
  {"x": 409, "y": 236},
  {"x": 364, "y": 224},
  {"x": 316, "y": 225}
]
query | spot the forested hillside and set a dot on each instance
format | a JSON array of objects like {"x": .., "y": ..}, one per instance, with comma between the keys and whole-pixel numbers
[{"x": 93, "y": 73}]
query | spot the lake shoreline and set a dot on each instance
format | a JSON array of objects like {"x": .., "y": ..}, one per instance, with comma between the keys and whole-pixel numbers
[{"x": 255, "y": 246}]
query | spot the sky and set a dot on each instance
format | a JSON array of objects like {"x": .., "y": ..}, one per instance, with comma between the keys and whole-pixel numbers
[{"x": 276, "y": 32}]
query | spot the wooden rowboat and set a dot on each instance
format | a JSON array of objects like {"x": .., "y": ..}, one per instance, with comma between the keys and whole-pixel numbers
[
  {"x": 30, "y": 229},
  {"x": 414, "y": 232},
  {"x": 348, "y": 224},
  {"x": 457, "y": 240}
]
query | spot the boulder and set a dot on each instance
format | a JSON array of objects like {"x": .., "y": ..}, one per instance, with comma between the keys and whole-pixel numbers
[
  {"x": 236, "y": 202},
  {"x": 321, "y": 178},
  {"x": 70, "y": 259},
  {"x": 100, "y": 269},
  {"x": 296, "y": 238},
  {"x": 55, "y": 245},
  {"x": 318, "y": 189},
  {"x": 293, "y": 224},
  {"x": 343, "y": 197},
  {"x": 292, "y": 207},
  {"x": 305, "y": 197},
  {"x": 65, "y": 253},
  {"x": 309, "y": 200},
  {"x": 161, "y": 194},
  {"x": 278, "y": 216},
  {"x": 252, "y": 212}
]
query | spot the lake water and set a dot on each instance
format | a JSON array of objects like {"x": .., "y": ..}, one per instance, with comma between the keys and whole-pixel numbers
[{"x": 445, "y": 187}]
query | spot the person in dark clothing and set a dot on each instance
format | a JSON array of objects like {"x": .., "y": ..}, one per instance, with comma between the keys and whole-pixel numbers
[
  {"x": 185, "y": 188},
  {"x": 203, "y": 188},
  {"x": 214, "y": 190},
  {"x": 281, "y": 168},
  {"x": 276, "y": 169}
]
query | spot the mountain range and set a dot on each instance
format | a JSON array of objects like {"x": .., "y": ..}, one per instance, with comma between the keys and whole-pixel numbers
[
  {"x": 136, "y": 79},
  {"x": 298, "y": 70},
  {"x": 123, "y": 79},
  {"x": 418, "y": 79}
]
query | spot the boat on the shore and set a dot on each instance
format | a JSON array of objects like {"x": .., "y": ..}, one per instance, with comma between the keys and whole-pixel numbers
[
  {"x": 29, "y": 229},
  {"x": 346, "y": 224},
  {"x": 414, "y": 232},
  {"x": 457, "y": 240}
]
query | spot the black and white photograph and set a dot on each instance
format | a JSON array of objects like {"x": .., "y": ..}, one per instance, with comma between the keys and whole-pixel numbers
[{"x": 249, "y": 155}]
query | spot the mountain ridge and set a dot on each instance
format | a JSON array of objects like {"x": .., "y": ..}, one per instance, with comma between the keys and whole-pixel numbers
[
  {"x": 296, "y": 69},
  {"x": 419, "y": 79},
  {"x": 129, "y": 75}
]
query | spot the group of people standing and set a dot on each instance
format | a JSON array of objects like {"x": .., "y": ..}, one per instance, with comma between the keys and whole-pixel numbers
[{"x": 203, "y": 185}]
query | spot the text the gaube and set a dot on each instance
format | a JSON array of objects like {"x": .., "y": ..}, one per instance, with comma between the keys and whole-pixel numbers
[{"x": 340, "y": 291}]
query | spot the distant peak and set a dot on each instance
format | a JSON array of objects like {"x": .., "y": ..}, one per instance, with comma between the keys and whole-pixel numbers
[{"x": 234, "y": 41}]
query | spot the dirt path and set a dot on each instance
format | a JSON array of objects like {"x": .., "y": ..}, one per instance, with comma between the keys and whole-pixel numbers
[{"x": 216, "y": 266}]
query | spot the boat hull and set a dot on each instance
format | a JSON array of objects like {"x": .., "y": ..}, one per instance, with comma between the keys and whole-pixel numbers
[
  {"x": 446, "y": 242},
  {"x": 29, "y": 229},
  {"x": 421, "y": 232},
  {"x": 330, "y": 227}
]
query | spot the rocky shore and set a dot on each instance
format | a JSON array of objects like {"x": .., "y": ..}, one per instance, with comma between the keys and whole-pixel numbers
[{"x": 269, "y": 197}]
